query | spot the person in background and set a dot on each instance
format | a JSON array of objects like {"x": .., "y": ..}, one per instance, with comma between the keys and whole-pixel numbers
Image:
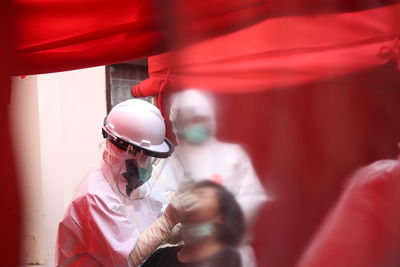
[
  {"x": 210, "y": 233},
  {"x": 116, "y": 201},
  {"x": 200, "y": 155}
]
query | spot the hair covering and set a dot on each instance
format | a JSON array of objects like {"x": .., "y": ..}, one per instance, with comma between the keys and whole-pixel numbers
[{"x": 193, "y": 103}]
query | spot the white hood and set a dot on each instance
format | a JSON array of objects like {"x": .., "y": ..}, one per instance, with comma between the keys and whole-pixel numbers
[{"x": 193, "y": 103}]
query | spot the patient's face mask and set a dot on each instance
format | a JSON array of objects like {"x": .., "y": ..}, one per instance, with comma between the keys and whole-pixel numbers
[{"x": 197, "y": 232}]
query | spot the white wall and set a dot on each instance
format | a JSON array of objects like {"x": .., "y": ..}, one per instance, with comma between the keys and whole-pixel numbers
[
  {"x": 64, "y": 113},
  {"x": 25, "y": 117}
]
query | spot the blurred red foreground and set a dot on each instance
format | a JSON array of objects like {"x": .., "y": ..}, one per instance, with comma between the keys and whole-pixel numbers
[{"x": 310, "y": 88}]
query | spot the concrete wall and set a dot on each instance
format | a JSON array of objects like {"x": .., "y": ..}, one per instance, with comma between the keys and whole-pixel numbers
[{"x": 57, "y": 125}]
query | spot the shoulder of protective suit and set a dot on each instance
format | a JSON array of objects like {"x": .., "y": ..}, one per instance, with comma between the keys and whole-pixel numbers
[{"x": 96, "y": 191}]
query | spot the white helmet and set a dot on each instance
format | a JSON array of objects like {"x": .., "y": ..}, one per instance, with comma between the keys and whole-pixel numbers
[{"x": 138, "y": 126}]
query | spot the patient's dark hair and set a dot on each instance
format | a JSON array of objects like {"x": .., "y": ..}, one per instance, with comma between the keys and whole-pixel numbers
[{"x": 230, "y": 232}]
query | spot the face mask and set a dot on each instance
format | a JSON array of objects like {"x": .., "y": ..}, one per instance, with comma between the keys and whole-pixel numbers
[
  {"x": 196, "y": 133},
  {"x": 196, "y": 233},
  {"x": 135, "y": 175}
]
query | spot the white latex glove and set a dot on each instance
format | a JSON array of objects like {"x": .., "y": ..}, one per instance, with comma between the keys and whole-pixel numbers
[
  {"x": 181, "y": 206},
  {"x": 175, "y": 236},
  {"x": 159, "y": 231}
]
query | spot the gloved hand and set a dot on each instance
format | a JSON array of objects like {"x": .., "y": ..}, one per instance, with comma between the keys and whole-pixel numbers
[
  {"x": 185, "y": 186},
  {"x": 180, "y": 207},
  {"x": 159, "y": 231},
  {"x": 175, "y": 236}
]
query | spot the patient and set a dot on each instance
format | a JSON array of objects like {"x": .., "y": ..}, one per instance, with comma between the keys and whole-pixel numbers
[{"x": 210, "y": 233}]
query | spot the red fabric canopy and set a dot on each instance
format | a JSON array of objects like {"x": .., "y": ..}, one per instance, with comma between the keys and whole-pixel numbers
[
  {"x": 284, "y": 52},
  {"x": 57, "y": 35}
]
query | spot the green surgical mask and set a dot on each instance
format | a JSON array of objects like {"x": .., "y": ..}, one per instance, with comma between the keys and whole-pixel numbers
[
  {"x": 196, "y": 133},
  {"x": 145, "y": 173},
  {"x": 135, "y": 175}
]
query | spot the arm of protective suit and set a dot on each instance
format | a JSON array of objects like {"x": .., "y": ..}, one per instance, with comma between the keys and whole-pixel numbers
[
  {"x": 150, "y": 240},
  {"x": 71, "y": 238},
  {"x": 249, "y": 191},
  {"x": 111, "y": 234},
  {"x": 159, "y": 231},
  {"x": 94, "y": 232}
]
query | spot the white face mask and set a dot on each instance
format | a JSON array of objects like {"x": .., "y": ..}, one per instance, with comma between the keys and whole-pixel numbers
[{"x": 195, "y": 233}]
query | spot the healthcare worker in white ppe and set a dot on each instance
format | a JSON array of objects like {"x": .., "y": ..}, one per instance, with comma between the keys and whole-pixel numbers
[
  {"x": 119, "y": 199},
  {"x": 202, "y": 156}
]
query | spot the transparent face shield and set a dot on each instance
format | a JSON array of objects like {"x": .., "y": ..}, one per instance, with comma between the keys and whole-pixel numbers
[{"x": 133, "y": 173}]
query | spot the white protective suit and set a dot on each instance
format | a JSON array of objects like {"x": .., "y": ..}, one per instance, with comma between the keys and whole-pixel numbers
[
  {"x": 101, "y": 225},
  {"x": 219, "y": 161}
]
